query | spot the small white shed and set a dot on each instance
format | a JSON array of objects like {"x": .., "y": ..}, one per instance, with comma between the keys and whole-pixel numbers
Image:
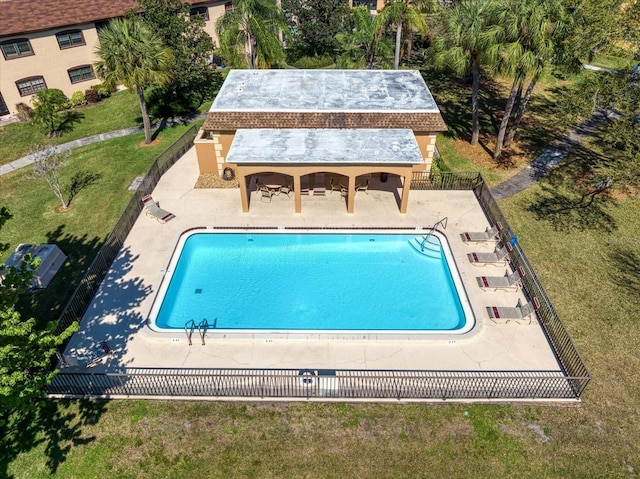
[{"x": 51, "y": 259}]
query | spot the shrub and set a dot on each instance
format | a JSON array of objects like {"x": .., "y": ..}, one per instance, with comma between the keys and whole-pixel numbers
[
  {"x": 103, "y": 90},
  {"x": 77, "y": 99},
  {"x": 92, "y": 96},
  {"x": 24, "y": 112},
  {"x": 46, "y": 105},
  {"x": 314, "y": 62}
]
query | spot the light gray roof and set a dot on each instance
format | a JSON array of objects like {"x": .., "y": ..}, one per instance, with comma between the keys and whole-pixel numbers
[
  {"x": 371, "y": 91},
  {"x": 359, "y": 146}
]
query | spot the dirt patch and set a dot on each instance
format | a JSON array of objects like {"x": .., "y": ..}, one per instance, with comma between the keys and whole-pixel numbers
[
  {"x": 514, "y": 157},
  {"x": 153, "y": 143},
  {"x": 60, "y": 209},
  {"x": 209, "y": 180}
]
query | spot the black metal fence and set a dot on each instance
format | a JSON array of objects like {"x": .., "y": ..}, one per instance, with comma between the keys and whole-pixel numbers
[
  {"x": 77, "y": 306},
  {"x": 340, "y": 384},
  {"x": 445, "y": 180},
  {"x": 559, "y": 338}
]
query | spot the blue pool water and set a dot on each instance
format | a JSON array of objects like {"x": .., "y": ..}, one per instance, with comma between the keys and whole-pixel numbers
[{"x": 308, "y": 282}]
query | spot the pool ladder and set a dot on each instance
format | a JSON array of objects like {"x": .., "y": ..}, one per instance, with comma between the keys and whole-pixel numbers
[
  {"x": 429, "y": 245},
  {"x": 202, "y": 327}
]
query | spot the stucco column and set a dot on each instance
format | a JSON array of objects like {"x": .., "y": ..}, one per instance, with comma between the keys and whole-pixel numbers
[
  {"x": 296, "y": 193},
  {"x": 351, "y": 193},
  {"x": 244, "y": 196},
  {"x": 406, "y": 186}
]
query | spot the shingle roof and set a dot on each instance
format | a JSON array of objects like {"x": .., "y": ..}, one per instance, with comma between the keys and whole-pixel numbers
[
  {"x": 26, "y": 16},
  {"x": 218, "y": 121}
]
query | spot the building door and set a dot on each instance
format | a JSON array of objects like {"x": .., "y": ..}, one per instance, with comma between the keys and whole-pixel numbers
[{"x": 3, "y": 106}]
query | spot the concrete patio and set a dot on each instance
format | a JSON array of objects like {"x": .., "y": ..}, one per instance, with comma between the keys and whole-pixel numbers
[{"x": 119, "y": 310}]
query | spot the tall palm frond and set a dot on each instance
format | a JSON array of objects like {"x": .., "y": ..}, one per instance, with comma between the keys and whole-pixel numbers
[
  {"x": 249, "y": 33},
  {"x": 403, "y": 13},
  {"x": 134, "y": 56}
]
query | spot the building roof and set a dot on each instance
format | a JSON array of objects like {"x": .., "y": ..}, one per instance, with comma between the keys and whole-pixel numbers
[
  {"x": 28, "y": 16},
  {"x": 377, "y": 99},
  {"x": 326, "y": 146}
]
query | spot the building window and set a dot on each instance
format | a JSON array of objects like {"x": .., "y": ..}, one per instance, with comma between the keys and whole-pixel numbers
[
  {"x": 16, "y": 48},
  {"x": 202, "y": 12},
  {"x": 83, "y": 73},
  {"x": 71, "y": 38},
  {"x": 371, "y": 4},
  {"x": 31, "y": 85},
  {"x": 228, "y": 6},
  {"x": 3, "y": 107}
]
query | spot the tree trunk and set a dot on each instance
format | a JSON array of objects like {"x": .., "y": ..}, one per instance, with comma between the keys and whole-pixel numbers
[
  {"x": 475, "y": 110},
  {"x": 146, "y": 122},
  {"x": 505, "y": 118},
  {"x": 520, "y": 113},
  {"x": 396, "y": 59},
  {"x": 252, "y": 63}
]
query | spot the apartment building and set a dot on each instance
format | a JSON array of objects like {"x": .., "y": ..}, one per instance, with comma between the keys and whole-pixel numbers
[{"x": 50, "y": 43}]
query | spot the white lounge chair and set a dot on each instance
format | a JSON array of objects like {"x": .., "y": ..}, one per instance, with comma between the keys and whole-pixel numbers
[
  {"x": 152, "y": 209},
  {"x": 498, "y": 256},
  {"x": 489, "y": 234},
  {"x": 520, "y": 311},
  {"x": 507, "y": 282}
]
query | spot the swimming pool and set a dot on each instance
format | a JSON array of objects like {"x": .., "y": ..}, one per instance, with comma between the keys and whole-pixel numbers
[{"x": 283, "y": 282}]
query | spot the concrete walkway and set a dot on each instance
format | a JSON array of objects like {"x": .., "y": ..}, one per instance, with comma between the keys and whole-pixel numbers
[
  {"x": 28, "y": 160},
  {"x": 549, "y": 158}
]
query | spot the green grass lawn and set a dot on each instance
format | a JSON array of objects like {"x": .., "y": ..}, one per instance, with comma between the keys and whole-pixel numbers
[
  {"x": 591, "y": 274},
  {"x": 592, "y": 279},
  {"x": 80, "y": 231},
  {"x": 119, "y": 111}
]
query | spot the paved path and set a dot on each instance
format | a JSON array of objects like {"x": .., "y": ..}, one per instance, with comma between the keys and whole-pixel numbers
[
  {"x": 27, "y": 160},
  {"x": 549, "y": 158}
]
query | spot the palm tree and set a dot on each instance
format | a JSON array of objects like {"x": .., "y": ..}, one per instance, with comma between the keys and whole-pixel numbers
[
  {"x": 547, "y": 51},
  {"x": 465, "y": 45},
  {"x": 407, "y": 14},
  {"x": 136, "y": 57},
  {"x": 363, "y": 46},
  {"x": 249, "y": 33},
  {"x": 527, "y": 28}
]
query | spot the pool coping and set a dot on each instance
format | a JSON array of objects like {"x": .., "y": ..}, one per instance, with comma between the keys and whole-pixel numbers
[{"x": 355, "y": 334}]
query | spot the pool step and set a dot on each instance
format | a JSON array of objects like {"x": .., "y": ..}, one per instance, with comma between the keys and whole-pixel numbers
[{"x": 428, "y": 247}]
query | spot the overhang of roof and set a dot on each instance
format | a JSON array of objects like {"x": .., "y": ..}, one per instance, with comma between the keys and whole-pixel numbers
[{"x": 221, "y": 121}]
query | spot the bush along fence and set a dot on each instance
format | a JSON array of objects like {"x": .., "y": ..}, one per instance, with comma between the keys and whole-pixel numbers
[{"x": 324, "y": 384}]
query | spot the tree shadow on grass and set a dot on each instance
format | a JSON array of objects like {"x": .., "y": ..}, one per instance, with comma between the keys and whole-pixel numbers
[
  {"x": 69, "y": 119},
  {"x": 626, "y": 271},
  {"x": 566, "y": 211},
  {"x": 52, "y": 424},
  {"x": 81, "y": 180},
  {"x": 568, "y": 200},
  {"x": 47, "y": 304},
  {"x": 112, "y": 316}
]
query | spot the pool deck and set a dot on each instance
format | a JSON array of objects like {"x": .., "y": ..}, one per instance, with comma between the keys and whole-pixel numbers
[{"x": 119, "y": 310}]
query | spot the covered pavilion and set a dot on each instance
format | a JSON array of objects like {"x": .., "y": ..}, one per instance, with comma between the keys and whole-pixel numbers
[{"x": 305, "y": 124}]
